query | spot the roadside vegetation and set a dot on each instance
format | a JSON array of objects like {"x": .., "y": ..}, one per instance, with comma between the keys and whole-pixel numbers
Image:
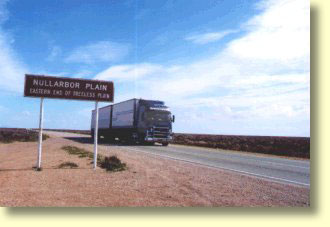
[
  {"x": 82, "y": 153},
  {"x": 276, "y": 145},
  {"x": 68, "y": 165},
  {"x": 10, "y": 135},
  {"x": 85, "y": 132},
  {"x": 111, "y": 163}
]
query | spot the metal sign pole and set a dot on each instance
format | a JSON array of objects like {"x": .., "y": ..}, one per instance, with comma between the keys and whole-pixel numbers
[
  {"x": 41, "y": 116},
  {"x": 96, "y": 133},
  {"x": 67, "y": 88}
]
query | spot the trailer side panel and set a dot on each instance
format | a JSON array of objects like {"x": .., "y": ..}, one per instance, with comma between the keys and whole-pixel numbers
[
  {"x": 104, "y": 117},
  {"x": 123, "y": 114}
]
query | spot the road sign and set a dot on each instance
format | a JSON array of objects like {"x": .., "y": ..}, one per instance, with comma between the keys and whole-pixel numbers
[{"x": 68, "y": 88}]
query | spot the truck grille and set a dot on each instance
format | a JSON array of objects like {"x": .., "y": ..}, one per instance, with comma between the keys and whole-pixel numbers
[{"x": 160, "y": 132}]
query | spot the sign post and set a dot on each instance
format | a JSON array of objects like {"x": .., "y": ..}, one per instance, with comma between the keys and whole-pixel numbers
[
  {"x": 41, "y": 117},
  {"x": 67, "y": 88},
  {"x": 96, "y": 133}
]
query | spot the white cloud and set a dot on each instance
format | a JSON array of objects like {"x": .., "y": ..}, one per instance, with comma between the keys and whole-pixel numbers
[
  {"x": 82, "y": 74},
  {"x": 3, "y": 109},
  {"x": 128, "y": 72},
  {"x": 102, "y": 51},
  {"x": 85, "y": 112},
  {"x": 258, "y": 83},
  {"x": 12, "y": 70},
  {"x": 26, "y": 113},
  {"x": 208, "y": 37},
  {"x": 49, "y": 73},
  {"x": 3, "y": 11},
  {"x": 55, "y": 51},
  {"x": 279, "y": 34},
  {"x": 262, "y": 77}
]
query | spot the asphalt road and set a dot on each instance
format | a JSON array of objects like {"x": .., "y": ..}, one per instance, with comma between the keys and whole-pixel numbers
[{"x": 268, "y": 167}]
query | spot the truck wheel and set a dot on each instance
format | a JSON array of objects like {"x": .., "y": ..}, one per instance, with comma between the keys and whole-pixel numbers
[
  {"x": 142, "y": 141},
  {"x": 98, "y": 136},
  {"x": 110, "y": 139},
  {"x": 165, "y": 144}
]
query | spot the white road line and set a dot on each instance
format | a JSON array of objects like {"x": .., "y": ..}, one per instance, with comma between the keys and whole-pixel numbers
[
  {"x": 275, "y": 179},
  {"x": 280, "y": 164},
  {"x": 236, "y": 153},
  {"x": 251, "y": 159}
]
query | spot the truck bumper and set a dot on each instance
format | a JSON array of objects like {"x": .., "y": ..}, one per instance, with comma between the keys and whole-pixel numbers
[
  {"x": 159, "y": 140},
  {"x": 158, "y": 134}
]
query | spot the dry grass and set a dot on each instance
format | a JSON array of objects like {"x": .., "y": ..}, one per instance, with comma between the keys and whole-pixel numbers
[
  {"x": 112, "y": 164},
  {"x": 10, "y": 135},
  {"x": 276, "y": 145},
  {"x": 68, "y": 165},
  {"x": 82, "y": 153}
]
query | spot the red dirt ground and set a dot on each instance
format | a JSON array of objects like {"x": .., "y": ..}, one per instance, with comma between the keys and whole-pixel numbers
[{"x": 149, "y": 181}]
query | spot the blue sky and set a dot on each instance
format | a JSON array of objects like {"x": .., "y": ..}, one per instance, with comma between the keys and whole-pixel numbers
[{"x": 223, "y": 67}]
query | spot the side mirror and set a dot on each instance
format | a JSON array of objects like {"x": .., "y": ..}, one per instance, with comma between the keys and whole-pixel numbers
[{"x": 173, "y": 118}]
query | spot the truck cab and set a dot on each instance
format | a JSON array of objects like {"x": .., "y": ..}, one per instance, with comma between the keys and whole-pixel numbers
[{"x": 155, "y": 122}]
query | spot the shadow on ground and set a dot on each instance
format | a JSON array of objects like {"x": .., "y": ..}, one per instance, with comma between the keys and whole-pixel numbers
[
  {"x": 32, "y": 169},
  {"x": 89, "y": 140}
]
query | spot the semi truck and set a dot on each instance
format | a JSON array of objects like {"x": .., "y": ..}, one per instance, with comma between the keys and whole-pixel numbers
[{"x": 135, "y": 120}]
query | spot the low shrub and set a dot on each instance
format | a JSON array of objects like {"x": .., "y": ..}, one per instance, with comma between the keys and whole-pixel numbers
[
  {"x": 276, "y": 145},
  {"x": 9, "y": 135},
  {"x": 82, "y": 153},
  {"x": 68, "y": 165},
  {"x": 112, "y": 164},
  {"x": 109, "y": 163}
]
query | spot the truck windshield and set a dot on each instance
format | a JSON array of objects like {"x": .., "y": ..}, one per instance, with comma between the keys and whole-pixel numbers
[{"x": 158, "y": 116}]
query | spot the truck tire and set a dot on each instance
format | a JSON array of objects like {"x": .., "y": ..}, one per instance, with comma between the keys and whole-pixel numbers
[
  {"x": 148, "y": 143},
  {"x": 92, "y": 134},
  {"x": 109, "y": 139},
  {"x": 165, "y": 144},
  {"x": 98, "y": 136}
]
